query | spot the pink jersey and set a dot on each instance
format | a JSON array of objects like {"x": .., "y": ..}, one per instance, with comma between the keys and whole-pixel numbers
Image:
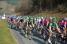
[
  {"x": 65, "y": 23},
  {"x": 46, "y": 21},
  {"x": 61, "y": 23}
]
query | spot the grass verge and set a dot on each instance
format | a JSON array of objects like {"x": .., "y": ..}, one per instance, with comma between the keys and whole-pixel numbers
[{"x": 5, "y": 36}]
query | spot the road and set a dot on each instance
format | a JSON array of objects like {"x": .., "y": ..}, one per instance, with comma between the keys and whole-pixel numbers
[{"x": 22, "y": 40}]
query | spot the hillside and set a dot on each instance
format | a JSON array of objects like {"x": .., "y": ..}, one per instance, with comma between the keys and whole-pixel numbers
[
  {"x": 34, "y": 7},
  {"x": 50, "y": 14}
]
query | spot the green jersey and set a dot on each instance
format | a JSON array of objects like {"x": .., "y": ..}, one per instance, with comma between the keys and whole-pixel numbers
[{"x": 53, "y": 24}]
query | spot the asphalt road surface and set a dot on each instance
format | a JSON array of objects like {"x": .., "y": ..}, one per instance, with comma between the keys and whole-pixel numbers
[{"x": 22, "y": 40}]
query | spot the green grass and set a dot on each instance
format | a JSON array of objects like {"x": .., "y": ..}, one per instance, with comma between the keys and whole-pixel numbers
[{"x": 5, "y": 36}]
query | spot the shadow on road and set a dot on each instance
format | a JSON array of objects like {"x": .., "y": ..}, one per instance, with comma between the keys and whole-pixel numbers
[
  {"x": 36, "y": 37},
  {"x": 38, "y": 41}
]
